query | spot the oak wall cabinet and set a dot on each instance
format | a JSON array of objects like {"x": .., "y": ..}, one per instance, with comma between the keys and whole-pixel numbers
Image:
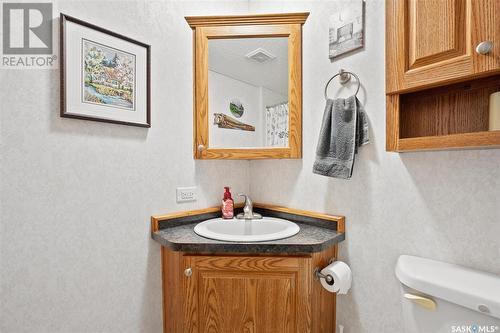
[{"x": 442, "y": 63}]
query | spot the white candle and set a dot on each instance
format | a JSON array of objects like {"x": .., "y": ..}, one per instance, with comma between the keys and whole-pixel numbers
[{"x": 494, "y": 124}]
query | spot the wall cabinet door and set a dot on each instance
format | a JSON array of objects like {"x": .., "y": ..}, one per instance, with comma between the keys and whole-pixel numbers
[
  {"x": 433, "y": 42},
  {"x": 247, "y": 294}
]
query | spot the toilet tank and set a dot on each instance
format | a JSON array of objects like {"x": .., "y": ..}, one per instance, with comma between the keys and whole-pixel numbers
[{"x": 439, "y": 297}]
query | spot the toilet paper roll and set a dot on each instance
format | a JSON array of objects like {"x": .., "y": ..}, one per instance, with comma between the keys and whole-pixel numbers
[{"x": 342, "y": 277}]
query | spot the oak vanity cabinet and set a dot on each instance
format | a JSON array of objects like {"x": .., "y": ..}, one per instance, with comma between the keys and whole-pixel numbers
[
  {"x": 212, "y": 286},
  {"x": 442, "y": 64},
  {"x": 245, "y": 293}
]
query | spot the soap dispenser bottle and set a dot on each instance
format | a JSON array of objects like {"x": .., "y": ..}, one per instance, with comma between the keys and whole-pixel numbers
[{"x": 227, "y": 204}]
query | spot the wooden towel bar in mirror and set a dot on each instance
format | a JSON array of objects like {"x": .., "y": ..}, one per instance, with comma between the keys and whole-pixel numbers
[{"x": 247, "y": 86}]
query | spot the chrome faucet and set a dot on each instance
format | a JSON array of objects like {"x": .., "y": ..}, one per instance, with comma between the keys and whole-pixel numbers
[{"x": 248, "y": 213}]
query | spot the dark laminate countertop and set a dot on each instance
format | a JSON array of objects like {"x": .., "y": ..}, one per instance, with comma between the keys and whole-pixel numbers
[{"x": 311, "y": 238}]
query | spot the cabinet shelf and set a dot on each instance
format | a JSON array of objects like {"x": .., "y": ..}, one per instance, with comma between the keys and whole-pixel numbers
[
  {"x": 448, "y": 117},
  {"x": 451, "y": 141}
]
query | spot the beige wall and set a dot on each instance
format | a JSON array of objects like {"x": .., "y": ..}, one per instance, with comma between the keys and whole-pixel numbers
[
  {"x": 442, "y": 205},
  {"x": 76, "y": 196}
]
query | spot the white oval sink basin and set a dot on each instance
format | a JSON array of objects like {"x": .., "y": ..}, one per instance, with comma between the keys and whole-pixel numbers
[{"x": 265, "y": 229}]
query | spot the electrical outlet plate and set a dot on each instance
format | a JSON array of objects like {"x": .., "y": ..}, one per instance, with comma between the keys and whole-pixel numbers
[{"x": 185, "y": 194}]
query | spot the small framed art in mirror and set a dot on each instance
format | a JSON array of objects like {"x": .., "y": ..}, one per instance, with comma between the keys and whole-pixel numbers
[{"x": 248, "y": 86}]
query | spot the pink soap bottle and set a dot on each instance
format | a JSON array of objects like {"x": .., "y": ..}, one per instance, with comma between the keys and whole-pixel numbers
[{"x": 227, "y": 204}]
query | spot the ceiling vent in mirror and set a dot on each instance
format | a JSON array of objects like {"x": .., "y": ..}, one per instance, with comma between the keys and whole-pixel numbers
[{"x": 260, "y": 55}]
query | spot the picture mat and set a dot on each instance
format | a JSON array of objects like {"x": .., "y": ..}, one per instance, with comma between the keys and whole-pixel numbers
[{"x": 74, "y": 33}]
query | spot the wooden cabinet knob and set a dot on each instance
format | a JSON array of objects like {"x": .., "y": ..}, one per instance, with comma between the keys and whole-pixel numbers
[
  {"x": 484, "y": 47},
  {"x": 188, "y": 272}
]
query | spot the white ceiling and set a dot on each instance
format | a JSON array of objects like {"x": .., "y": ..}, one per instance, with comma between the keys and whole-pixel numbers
[{"x": 228, "y": 57}]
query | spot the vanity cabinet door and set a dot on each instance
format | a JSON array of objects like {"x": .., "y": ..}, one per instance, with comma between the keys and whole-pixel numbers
[
  {"x": 431, "y": 42},
  {"x": 226, "y": 294}
]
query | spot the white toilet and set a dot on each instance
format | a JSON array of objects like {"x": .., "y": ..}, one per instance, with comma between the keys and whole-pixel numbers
[{"x": 444, "y": 298}]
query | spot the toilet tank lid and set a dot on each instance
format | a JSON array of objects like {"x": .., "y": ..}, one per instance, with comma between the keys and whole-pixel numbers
[{"x": 454, "y": 283}]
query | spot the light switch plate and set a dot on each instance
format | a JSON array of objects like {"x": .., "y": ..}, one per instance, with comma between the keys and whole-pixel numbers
[{"x": 185, "y": 194}]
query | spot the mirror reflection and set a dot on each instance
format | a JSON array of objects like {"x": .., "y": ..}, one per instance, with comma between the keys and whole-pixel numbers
[{"x": 248, "y": 92}]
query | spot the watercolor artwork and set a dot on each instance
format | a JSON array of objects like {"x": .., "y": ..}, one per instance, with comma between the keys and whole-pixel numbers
[
  {"x": 108, "y": 76},
  {"x": 105, "y": 76}
]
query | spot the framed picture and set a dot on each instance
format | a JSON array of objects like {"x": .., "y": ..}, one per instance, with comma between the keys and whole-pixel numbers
[
  {"x": 346, "y": 28},
  {"x": 104, "y": 76}
]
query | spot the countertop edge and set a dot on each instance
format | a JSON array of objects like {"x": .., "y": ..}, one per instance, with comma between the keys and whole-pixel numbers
[{"x": 255, "y": 247}]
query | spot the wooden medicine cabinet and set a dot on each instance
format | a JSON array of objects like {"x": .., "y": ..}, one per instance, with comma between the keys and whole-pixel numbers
[{"x": 247, "y": 86}]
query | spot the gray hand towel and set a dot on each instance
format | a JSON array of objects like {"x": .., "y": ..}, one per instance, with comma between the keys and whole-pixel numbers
[
  {"x": 362, "y": 132},
  {"x": 344, "y": 129}
]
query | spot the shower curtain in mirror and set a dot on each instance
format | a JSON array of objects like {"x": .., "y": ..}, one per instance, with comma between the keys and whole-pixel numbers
[{"x": 277, "y": 125}]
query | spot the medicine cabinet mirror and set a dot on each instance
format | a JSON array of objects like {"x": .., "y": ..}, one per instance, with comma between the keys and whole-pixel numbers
[{"x": 248, "y": 86}]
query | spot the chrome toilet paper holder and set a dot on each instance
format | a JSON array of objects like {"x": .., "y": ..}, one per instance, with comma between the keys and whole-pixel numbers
[{"x": 328, "y": 278}]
